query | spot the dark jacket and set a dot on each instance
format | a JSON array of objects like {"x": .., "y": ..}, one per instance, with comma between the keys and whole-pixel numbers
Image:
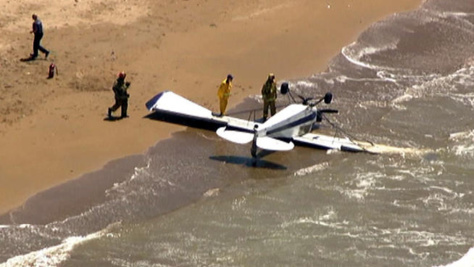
[
  {"x": 269, "y": 90},
  {"x": 120, "y": 89}
]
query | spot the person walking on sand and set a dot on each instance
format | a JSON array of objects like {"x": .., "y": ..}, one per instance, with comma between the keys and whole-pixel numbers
[
  {"x": 121, "y": 95},
  {"x": 38, "y": 32},
  {"x": 223, "y": 93},
  {"x": 269, "y": 95}
]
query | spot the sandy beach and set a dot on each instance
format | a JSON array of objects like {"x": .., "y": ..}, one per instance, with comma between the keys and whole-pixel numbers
[{"x": 53, "y": 130}]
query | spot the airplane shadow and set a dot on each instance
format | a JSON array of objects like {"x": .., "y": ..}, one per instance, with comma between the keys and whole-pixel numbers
[{"x": 249, "y": 162}]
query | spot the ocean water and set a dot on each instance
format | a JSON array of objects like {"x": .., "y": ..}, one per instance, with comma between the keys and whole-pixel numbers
[{"x": 197, "y": 200}]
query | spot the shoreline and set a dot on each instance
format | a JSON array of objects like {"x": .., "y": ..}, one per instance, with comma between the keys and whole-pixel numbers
[{"x": 64, "y": 136}]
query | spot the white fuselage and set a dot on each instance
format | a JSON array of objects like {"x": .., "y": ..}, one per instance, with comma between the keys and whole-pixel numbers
[{"x": 294, "y": 120}]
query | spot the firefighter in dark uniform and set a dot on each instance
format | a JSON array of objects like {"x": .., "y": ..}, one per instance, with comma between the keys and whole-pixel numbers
[
  {"x": 121, "y": 96},
  {"x": 269, "y": 95}
]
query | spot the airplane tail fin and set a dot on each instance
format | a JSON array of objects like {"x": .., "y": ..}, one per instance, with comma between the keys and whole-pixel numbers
[{"x": 273, "y": 144}]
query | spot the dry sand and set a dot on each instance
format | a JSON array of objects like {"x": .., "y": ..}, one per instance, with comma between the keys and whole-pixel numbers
[{"x": 52, "y": 130}]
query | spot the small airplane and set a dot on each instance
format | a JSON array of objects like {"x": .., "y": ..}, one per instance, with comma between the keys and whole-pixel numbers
[
  {"x": 278, "y": 133},
  {"x": 292, "y": 125}
]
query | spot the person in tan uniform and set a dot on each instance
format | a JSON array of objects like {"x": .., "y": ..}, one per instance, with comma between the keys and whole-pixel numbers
[{"x": 269, "y": 95}]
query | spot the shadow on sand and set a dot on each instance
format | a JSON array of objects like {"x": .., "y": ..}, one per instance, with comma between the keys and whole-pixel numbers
[{"x": 113, "y": 118}]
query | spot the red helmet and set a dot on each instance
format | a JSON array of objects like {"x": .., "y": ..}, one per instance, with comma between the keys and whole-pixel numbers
[{"x": 122, "y": 75}]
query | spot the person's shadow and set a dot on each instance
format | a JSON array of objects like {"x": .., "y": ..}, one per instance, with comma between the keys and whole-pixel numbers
[
  {"x": 113, "y": 118},
  {"x": 27, "y": 59},
  {"x": 30, "y": 58}
]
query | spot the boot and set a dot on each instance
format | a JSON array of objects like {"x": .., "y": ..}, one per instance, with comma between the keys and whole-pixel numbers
[{"x": 109, "y": 113}]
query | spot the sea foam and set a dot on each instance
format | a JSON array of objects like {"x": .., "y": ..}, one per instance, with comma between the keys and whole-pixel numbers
[
  {"x": 51, "y": 256},
  {"x": 466, "y": 261}
]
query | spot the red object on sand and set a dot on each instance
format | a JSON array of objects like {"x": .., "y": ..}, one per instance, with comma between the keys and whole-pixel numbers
[{"x": 52, "y": 69}]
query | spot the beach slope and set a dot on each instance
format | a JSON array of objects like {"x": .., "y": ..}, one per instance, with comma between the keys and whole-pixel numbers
[{"x": 54, "y": 130}]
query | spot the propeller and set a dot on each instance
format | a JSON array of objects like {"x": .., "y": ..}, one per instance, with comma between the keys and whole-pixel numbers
[{"x": 305, "y": 99}]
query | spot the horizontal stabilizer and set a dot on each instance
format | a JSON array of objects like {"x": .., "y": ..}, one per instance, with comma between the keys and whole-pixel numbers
[
  {"x": 273, "y": 144},
  {"x": 235, "y": 136}
]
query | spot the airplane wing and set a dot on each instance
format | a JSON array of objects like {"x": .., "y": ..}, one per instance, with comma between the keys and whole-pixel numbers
[
  {"x": 327, "y": 142},
  {"x": 171, "y": 107},
  {"x": 171, "y": 102}
]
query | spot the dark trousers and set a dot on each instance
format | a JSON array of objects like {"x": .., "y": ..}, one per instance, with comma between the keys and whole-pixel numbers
[
  {"x": 121, "y": 102},
  {"x": 268, "y": 104},
  {"x": 37, "y": 46}
]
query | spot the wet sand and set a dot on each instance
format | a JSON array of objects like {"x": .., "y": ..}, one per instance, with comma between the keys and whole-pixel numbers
[{"x": 53, "y": 130}]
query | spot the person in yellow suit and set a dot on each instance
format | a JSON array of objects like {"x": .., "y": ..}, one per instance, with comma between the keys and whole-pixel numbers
[{"x": 223, "y": 93}]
